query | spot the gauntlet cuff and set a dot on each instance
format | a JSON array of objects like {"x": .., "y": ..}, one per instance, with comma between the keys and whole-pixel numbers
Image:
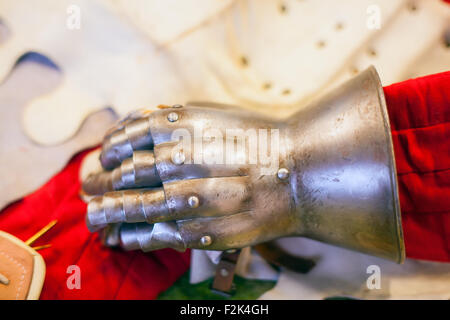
[{"x": 343, "y": 175}]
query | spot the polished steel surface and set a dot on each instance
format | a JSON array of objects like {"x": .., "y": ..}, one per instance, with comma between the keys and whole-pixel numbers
[
  {"x": 327, "y": 173},
  {"x": 343, "y": 177}
]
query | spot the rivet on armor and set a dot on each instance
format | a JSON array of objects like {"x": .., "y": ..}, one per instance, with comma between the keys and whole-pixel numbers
[
  {"x": 172, "y": 117},
  {"x": 206, "y": 240},
  {"x": 178, "y": 158},
  {"x": 283, "y": 173},
  {"x": 177, "y": 106},
  {"x": 193, "y": 202}
]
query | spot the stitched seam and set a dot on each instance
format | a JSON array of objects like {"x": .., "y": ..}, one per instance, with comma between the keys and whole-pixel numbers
[
  {"x": 83, "y": 249},
  {"x": 22, "y": 278},
  {"x": 425, "y": 212},
  {"x": 424, "y": 127},
  {"x": 423, "y": 172},
  {"x": 125, "y": 277}
]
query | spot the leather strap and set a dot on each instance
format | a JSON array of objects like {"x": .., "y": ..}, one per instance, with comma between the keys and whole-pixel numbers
[
  {"x": 223, "y": 280},
  {"x": 16, "y": 265},
  {"x": 278, "y": 257}
]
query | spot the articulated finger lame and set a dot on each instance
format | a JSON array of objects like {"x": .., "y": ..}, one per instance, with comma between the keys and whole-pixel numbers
[
  {"x": 147, "y": 237},
  {"x": 219, "y": 233},
  {"x": 140, "y": 205},
  {"x": 135, "y": 172},
  {"x": 334, "y": 179},
  {"x": 179, "y": 200},
  {"x": 120, "y": 144}
]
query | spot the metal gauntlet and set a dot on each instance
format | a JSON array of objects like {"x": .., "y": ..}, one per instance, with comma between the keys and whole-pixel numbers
[{"x": 216, "y": 177}]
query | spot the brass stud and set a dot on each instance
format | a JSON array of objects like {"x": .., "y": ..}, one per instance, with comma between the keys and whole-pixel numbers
[
  {"x": 412, "y": 6},
  {"x": 321, "y": 44},
  {"x": 372, "y": 52},
  {"x": 178, "y": 158},
  {"x": 193, "y": 202},
  {"x": 283, "y": 173},
  {"x": 172, "y": 117},
  {"x": 244, "y": 61},
  {"x": 267, "y": 85},
  {"x": 206, "y": 241},
  {"x": 339, "y": 26}
]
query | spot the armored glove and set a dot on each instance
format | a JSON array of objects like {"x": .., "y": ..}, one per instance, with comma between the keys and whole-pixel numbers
[{"x": 216, "y": 177}]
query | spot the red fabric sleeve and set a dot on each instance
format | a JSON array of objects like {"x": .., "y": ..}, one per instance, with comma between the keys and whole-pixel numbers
[
  {"x": 419, "y": 112},
  {"x": 105, "y": 273}
]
